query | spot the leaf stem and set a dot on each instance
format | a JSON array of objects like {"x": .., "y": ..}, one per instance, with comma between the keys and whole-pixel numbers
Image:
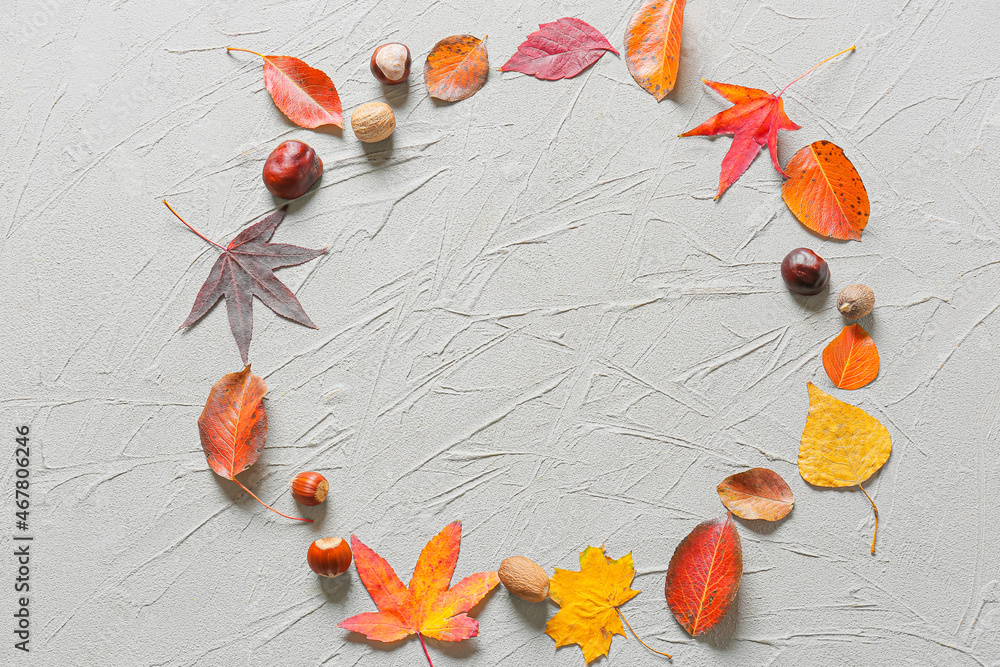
[
  {"x": 814, "y": 67},
  {"x": 424, "y": 646},
  {"x": 295, "y": 518},
  {"x": 233, "y": 48},
  {"x": 205, "y": 238},
  {"x": 622, "y": 616},
  {"x": 876, "y": 515}
]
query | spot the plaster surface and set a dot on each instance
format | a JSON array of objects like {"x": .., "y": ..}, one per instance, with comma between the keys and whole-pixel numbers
[{"x": 533, "y": 318}]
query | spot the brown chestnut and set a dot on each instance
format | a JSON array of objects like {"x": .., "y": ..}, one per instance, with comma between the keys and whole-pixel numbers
[
  {"x": 391, "y": 63},
  {"x": 329, "y": 556},
  {"x": 309, "y": 488},
  {"x": 805, "y": 272},
  {"x": 291, "y": 169}
]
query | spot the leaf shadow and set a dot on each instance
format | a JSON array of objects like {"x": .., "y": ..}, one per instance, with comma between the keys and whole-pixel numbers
[
  {"x": 723, "y": 634},
  {"x": 762, "y": 526}
]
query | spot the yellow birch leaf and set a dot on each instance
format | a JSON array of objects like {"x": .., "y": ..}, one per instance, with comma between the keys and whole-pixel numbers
[{"x": 841, "y": 445}]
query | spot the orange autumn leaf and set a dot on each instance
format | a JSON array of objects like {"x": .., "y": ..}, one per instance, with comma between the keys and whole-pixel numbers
[
  {"x": 430, "y": 606},
  {"x": 841, "y": 445},
  {"x": 233, "y": 427},
  {"x": 456, "y": 68},
  {"x": 851, "y": 359},
  {"x": 588, "y": 603},
  {"x": 758, "y": 493},
  {"x": 653, "y": 45},
  {"x": 303, "y": 93},
  {"x": 824, "y": 191}
]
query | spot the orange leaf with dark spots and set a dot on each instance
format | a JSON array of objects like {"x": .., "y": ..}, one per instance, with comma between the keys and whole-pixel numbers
[
  {"x": 430, "y": 606},
  {"x": 704, "y": 575},
  {"x": 456, "y": 68},
  {"x": 653, "y": 45},
  {"x": 851, "y": 359},
  {"x": 303, "y": 93},
  {"x": 825, "y": 192},
  {"x": 758, "y": 493},
  {"x": 233, "y": 427}
]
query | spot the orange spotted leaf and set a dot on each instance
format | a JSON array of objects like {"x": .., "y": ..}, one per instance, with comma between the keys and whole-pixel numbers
[
  {"x": 456, "y": 68},
  {"x": 430, "y": 606},
  {"x": 758, "y": 493},
  {"x": 233, "y": 427},
  {"x": 303, "y": 93},
  {"x": 825, "y": 192},
  {"x": 704, "y": 575},
  {"x": 851, "y": 359},
  {"x": 653, "y": 45}
]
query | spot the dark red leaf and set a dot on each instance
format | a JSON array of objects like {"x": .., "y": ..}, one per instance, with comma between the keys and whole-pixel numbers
[{"x": 558, "y": 50}]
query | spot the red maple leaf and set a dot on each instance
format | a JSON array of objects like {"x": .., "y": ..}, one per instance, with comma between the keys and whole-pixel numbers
[
  {"x": 245, "y": 270},
  {"x": 753, "y": 120}
]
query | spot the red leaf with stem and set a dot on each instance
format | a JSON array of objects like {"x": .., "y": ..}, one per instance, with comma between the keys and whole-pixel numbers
[
  {"x": 753, "y": 120},
  {"x": 245, "y": 270},
  {"x": 557, "y": 50},
  {"x": 303, "y": 93},
  {"x": 233, "y": 427}
]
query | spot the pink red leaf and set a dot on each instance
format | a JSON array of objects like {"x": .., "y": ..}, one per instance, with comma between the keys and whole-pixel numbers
[
  {"x": 704, "y": 575},
  {"x": 653, "y": 45},
  {"x": 558, "y": 50}
]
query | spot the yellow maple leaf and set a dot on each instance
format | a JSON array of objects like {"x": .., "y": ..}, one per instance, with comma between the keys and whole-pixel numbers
[
  {"x": 589, "y": 601},
  {"x": 841, "y": 445}
]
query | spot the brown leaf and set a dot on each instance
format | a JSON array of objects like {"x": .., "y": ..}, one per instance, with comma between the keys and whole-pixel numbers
[{"x": 758, "y": 493}]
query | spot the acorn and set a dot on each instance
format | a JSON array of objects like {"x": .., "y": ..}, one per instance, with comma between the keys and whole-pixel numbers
[
  {"x": 309, "y": 488},
  {"x": 855, "y": 301},
  {"x": 329, "y": 556}
]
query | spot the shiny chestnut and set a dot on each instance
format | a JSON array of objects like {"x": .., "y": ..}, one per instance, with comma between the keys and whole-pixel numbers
[
  {"x": 309, "y": 488},
  {"x": 329, "y": 556},
  {"x": 805, "y": 272},
  {"x": 291, "y": 169},
  {"x": 391, "y": 63}
]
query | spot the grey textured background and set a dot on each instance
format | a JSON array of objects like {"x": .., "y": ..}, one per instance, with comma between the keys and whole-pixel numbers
[{"x": 533, "y": 318}]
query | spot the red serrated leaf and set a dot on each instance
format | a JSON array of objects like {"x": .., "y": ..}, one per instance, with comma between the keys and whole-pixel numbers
[
  {"x": 758, "y": 493},
  {"x": 704, "y": 575},
  {"x": 851, "y": 359},
  {"x": 233, "y": 427},
  {"x": 824, "y": 191},
  {"x": 558, "y": 50},
  {"x": 653, "y": 45},
  {"x": 245, "y": 270},
  {"x": 456, "y": 68},
  {"x": 303, "y": 93}
]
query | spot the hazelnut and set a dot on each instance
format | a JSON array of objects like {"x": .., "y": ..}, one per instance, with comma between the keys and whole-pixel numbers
[
  {"x": 391, "y": 63},
  {"x": 309, "y": 488},
  {"x": 291, "y": 169},
  {"x": 524, "y": 578},
  {"x": 329, "y": 556},
  {"x": 373, "y": 121},
  {"x": 855, "y": 301}
]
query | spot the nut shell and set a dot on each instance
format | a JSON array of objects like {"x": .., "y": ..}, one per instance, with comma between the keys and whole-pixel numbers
[
  {"x": 373, "y": 121},
  {"x": 329, "y": 556},
  {"x": 291, "y": 169},
  {"x": 524, "y": 578},
  {"x": 309, "y": 488},
  {"x": 855, "y": 301},
  {"x": 391, "y": 63}
]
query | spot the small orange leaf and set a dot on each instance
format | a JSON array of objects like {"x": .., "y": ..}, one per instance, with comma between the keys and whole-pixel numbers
[
  {"x": 430, "y": 606},
  {"x": 456, "y": 68},
  {"x": 851, "y": 359},
  {"x": 824, "y": 191},
  {"x": 758, "y": 493},
  {"x": 653, "y": 45}
]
